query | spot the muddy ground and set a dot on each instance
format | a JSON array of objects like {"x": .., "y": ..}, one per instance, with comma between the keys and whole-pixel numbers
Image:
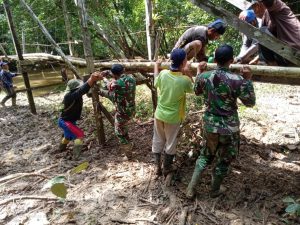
[{"x": 114, "y": 191}]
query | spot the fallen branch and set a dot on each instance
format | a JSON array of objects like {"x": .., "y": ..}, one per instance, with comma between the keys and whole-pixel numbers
[
  {"x": 22, "y": 176},
  {"x": 4, "y": 202},
  {"x": 132, "y": 221},
  {"x": 12, "y": 176}
]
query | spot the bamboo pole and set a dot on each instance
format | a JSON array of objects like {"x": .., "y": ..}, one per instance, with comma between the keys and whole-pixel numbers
[
  {"x": 90, "y": 68},
  {"x": 20, "y": 55},
  {"x": 50, "y": 39},
  {"x": 68, "y": 28}
]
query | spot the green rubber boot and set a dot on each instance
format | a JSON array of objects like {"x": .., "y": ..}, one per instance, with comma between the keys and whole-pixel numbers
[
  {"x": 157, "y": 157},
  {"x": 77, "y": 148},
  {"x": 216, "y": 190},
  {"x": 63, "y": 145},
  {"x": 168, "y": 164},
  {"x": 190, "y": 191}
]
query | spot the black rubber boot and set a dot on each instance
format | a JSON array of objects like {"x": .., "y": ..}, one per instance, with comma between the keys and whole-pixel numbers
[
  {"x": 168, "y": 164},
  {"x": 215, "y": 186},
  {"x": 157, "y": 158}
]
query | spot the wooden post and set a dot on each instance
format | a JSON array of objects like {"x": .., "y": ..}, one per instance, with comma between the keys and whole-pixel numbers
[
  {"x": 281, "y": 48},
  {"x": 20, "y": 55},
  {"x": 68, "y": 27},
  {"x": 50, "y": 39},
  {"x": 90, "y": 68},
  {"x": 149, "y": 29}
]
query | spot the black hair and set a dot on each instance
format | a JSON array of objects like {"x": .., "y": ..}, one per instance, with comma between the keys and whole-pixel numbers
[{"x": 223, "y": 54}]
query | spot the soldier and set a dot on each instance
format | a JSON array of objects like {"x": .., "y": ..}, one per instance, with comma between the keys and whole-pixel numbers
[
  {"x": 194, "y": 39},
  {"x": 71, "y": 112},
  {"x": 220, "y": 89},
  {"x": 170, "y": 111},
  {"x": 7, "y": 84},
  {"x": 121, "y": 91}
]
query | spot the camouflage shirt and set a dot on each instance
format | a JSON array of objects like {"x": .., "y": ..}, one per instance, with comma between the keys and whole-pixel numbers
[
  {"x": 122, "y": 94},
  {"x": 221, "y": 90}
]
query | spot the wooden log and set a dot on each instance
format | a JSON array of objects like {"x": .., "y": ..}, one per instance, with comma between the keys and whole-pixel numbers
[
  {"x": 90, "y": 68},
  {"x": 20, "y": 55},
  {"x": 50, "y": 39},
  {"x": 270, "y": 42},
  {"x": 241, "y": 4}
]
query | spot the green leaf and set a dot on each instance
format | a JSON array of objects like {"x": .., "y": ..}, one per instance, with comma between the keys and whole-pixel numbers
[
  {"x": 80, "y": 167},
  {"x": 54, "y": 180},
  {"x": 288, "y": 200},
  {"x": 59, "y": 189},
  {"x": 292, "y": 209}
]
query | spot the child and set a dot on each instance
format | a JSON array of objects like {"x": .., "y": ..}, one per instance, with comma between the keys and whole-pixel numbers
[
  {"x": 71, "y": 112},
  {"x": 170, "y": 111},
  {"x": 7, "y": 84}
]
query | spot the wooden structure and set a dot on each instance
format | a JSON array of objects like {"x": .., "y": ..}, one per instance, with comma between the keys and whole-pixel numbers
[
  {"x": 281, "y": 48},
  {"x": 20, "y": 55}
]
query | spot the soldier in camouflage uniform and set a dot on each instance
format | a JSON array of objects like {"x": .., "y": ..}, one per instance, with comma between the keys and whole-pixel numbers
[
  {"x": 121, "y": 91},
  {"x": 220, "y": 89}
]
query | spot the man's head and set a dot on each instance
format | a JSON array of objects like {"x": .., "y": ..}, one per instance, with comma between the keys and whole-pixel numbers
[
  {"x": 258, "y": 8},
  {"x": 248, "y": 16},
  {"x": 4, "y": 65},
  {"x": 216, "y": 29},
  {"x": 117, "y": 70},
  {"x": 178, "y": 59},
  {"x": 73, "y": 85},
  {"x": 224, "y": 55}
]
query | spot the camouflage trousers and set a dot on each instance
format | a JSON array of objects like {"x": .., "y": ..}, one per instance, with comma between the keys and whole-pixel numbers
[
  {"x": 220, "y": 149},
  {"x": 121, "y": 127}
]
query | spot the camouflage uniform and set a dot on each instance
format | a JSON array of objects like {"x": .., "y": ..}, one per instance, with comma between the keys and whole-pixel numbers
[
  {"x": 122, "y": 93},
  {"x": 221, "y": 121}
]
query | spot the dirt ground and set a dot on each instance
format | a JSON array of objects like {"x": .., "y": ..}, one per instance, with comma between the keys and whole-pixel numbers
[{"x": 114, "y": 191}]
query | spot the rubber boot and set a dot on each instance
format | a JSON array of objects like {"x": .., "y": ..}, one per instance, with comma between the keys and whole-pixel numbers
[
  {"x": 157, "y": 157},
  {"x": 63, "y": 145},
  {"x": 127, "y": 150},
  {"x": 190, "y": 191},
  {"x": 215, "y": 186},
  {"x": 168, "y": 162},
  {"x": 77, "y": 148},
  {"x": 14, "y": 101}
]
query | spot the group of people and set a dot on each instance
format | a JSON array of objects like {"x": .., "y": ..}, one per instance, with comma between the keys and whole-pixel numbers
[{"x": 220, "y": 89}]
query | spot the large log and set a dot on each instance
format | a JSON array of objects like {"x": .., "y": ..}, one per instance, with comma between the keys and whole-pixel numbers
[{"x": 289, "y": 75}]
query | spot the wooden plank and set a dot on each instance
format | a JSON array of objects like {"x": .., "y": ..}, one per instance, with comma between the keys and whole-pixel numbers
[
  {"x": 281, "y": 48},
  {"x": 241, "y": 4}
]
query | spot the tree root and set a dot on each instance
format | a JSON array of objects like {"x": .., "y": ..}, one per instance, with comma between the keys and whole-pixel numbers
[{"x": 12, "y": 199}]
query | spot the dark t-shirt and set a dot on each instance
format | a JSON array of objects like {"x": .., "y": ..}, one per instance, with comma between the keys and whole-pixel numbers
[
  {"x": 192, "y": 34},
  {"x": 73, "y": 103}
]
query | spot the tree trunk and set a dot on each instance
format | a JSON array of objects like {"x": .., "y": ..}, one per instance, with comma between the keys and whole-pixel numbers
[
  {"x": 23, "y": 42},
  {"x": 68, "y": 28},
  {"x": 149, "y": 29},
  {"x": 281, "y": 48},
  {"x": 90, "y": 68},
  {"x": 19, "y": 53},
  {"x": 50, "y": 39},
  {"x": 3, "y": 50}
]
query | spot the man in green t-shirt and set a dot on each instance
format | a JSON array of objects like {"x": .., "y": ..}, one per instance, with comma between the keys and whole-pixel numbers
[{"x": 170, "y": 112}]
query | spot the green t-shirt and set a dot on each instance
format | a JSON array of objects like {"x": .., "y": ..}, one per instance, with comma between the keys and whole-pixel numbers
[{"x": 172, "y": 87}]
